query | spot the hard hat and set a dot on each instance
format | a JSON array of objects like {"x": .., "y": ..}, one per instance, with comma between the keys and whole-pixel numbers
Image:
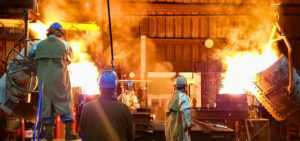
[
  {"x": 107, "y": 80},
  {"x": 180, "y": 81},
  {"x": 57, "y": 26},
  {"x": 129, "y": 84}
]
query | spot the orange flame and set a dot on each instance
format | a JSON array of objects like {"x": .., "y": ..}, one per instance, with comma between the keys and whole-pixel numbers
[
  {"x": 83, "y": 72},
  {"x": 39, "y": 29},
  {"x": 242, "y": 69}
]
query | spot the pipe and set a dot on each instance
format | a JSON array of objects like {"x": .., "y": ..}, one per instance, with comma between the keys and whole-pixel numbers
[
  {"x": 38, "y": 112},
  {"x": 110, "y": 34},
  {"x": 143, "y": 57},
  {"x": 26, "y": 34},
  {"x": 289, "y": 48}
]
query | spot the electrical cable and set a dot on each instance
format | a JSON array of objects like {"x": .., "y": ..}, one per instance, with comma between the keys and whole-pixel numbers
[{"x": 38, "y": 113}]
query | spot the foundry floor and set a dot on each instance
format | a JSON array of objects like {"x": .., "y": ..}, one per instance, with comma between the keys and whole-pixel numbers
[{"x": 64, "y": 140}]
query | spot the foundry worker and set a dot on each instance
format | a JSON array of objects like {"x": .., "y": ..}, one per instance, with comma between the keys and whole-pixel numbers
[
  {"x": 178, "y": 120},
  {"x": 107, "y": 119},
  {"x": 129, "y": 98},
  {"x": 53, "y": 56}
]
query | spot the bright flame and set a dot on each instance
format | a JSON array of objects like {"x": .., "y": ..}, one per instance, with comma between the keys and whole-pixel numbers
[
  {"x": 84, "y": 75},
  {"x": 39, "y": 29},
  {"x": 242, "y": 69},
  {"x": 83, "y": 72}
]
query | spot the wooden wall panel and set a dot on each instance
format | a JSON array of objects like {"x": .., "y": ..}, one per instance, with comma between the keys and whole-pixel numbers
[
  {"x": 203, "y": 1},
  {"x": 170, "y": 53},
  {"x": 178, "y": 58},
  {"x": 220, "y": 26},
  {"x": 161, "y": 26},
  {"x": 195, "y": 1},
  {"x": 203, "y": 27},
  {"x": 152, "y": 26},
  {"x": 178, "y": 26},
  {"x": 5, "y": 47},
  {"x": 188, "y": 64},
  {"x": 170, "y": 26},
  {"x": 160, "y": 0},
  {"x": 169, "y": 0},
  {"x": 195, "y": 27},
  {"x": 187, "y": 27},
  {"x": 297, "y": 26},
  {"x": 212, "y": 1},
  {"x": 212, "y": 27},
  {"x": 2, "y": 49},
  {"x": 197, "y": 55},
  {"x": 187, "y": 1},
  {"x": 297, "y": 2},
  {"x": 144, "y": 26},
  {"x": 182, "y": 58},
  {"x": 178, "y": 1},
  {"x": 239, "y": 1}
]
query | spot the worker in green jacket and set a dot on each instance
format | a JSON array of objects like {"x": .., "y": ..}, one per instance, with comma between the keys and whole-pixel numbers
[{"x": 53, "y": 55}]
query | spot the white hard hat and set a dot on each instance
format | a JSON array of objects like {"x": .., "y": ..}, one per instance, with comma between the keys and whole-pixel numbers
[{"x": 180, "y": 81}]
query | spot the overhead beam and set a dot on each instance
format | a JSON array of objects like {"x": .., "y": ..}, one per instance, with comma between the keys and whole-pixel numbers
[{"x": 15, "y": 23}]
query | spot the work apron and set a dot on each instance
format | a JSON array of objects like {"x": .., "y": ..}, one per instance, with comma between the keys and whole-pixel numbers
[{"x": 51, "y": 56}]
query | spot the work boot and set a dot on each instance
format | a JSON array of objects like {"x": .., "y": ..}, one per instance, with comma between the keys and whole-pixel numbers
[
  {"x": 70, "y": 134},
  {"x": 49, "y": 135}
]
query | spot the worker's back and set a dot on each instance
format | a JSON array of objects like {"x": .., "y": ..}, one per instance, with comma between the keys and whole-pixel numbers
[{"x": 107, "y": 120}]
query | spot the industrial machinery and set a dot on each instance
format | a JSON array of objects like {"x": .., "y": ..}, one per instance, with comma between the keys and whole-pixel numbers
[
  {"x": 228, "y": 106},
  {"x": 273, "y": 90},
  {"x": 19, "y": 80}
]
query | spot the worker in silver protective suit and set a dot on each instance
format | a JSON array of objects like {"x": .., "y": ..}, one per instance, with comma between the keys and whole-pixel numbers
[
  {"x": 129, "y": 98},
  {"x": 178, "y": 119}
]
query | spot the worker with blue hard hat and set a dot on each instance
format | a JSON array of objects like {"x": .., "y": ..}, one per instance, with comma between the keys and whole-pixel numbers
[
  {"x": 128, "y": 97},
  {"x": 53, "y": 55},
  {"x": 107, "y": 119},
  {"x": 108, "y": 80}
]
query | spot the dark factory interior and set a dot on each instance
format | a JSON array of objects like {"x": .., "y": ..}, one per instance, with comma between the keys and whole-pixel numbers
[{"x": 240, "y": 60}]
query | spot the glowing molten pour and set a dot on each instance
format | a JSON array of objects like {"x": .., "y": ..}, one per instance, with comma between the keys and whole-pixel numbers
[{"x": 242, "y": 69}]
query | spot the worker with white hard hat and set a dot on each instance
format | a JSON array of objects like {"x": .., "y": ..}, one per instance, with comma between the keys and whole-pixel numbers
[{"x": 176, "y": 127}]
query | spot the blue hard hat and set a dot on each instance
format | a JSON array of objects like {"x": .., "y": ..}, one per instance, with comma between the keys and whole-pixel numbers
[
  {"x": 57, "y": 26},
  {"x": 129, "y": 83},
  {"x": 107, "y": 80}
]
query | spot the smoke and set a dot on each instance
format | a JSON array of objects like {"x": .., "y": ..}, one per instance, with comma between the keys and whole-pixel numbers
[
  {"x": 247, "y": 50},
  {"x": 249, "y": 33},
  {"x": 125, "y": 19}
]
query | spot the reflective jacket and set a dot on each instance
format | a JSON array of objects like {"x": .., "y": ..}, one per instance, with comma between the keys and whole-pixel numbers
[
  {"x": 177, "y": 117},
  {"x": 129, "y": 99}
]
